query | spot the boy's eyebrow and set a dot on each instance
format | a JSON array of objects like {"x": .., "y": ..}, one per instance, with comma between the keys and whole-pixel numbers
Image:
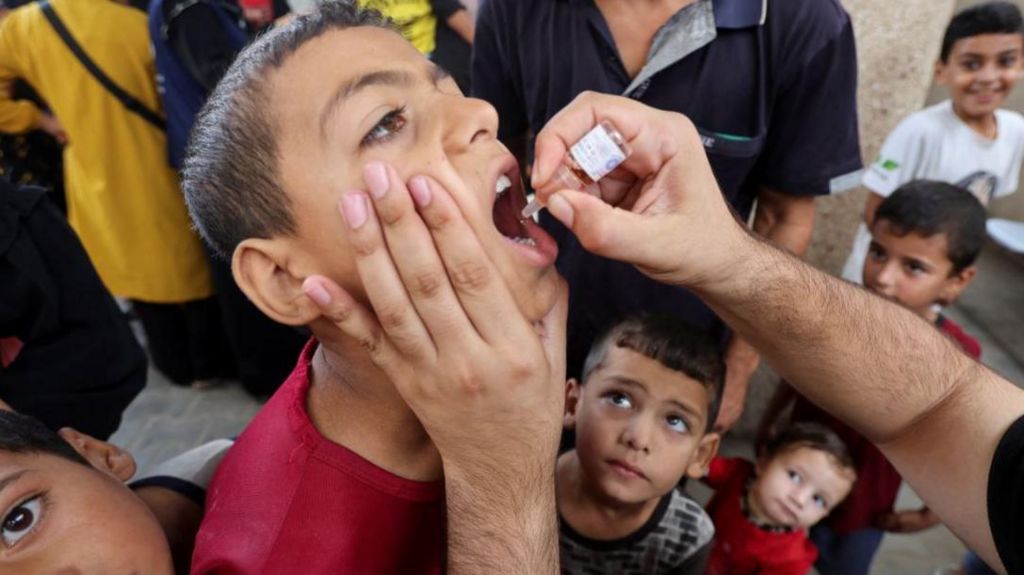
[
  {"x": 11, "y": 478},
  {"x": 629, "y": 382},
  {"x": 920, "y": 262},
  {"x": 399, "y": 78}
]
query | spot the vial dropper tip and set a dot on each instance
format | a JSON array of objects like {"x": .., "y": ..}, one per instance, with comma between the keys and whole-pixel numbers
[{"x": 531, "y": 208}]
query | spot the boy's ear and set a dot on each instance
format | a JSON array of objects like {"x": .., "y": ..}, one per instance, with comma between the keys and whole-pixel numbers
[
  {"x": 104, "y": 456},
  {"x": 955, "y": 285},
  {"x": 706, "y": 451},
  {"x": 572, "y": 402},
  {"x": 940, "y": 73},
  {"x": 260, "y": 268}
]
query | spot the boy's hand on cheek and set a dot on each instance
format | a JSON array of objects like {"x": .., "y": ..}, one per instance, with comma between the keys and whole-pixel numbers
[{"x": 486, "y": 384}]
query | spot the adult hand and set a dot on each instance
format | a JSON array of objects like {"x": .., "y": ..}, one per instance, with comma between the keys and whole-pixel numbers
[
  {"x": 660, "y": 210},
  {"x": 49, "y": 124},
  {"x": 741, "y": 361},
  {"x": 911, "y": 521}
]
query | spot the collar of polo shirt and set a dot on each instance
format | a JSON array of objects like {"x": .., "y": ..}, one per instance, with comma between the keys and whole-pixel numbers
[{"x": 732, "y": 14}]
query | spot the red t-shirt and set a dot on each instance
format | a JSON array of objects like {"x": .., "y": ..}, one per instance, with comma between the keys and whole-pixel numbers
[
  {"x": 742, "y": 547},
  {"x": 287, "y": 500},
  {"x": 878, "y": 482}
]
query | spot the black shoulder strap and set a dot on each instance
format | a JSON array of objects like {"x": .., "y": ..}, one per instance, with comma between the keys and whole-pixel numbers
[{"x": 126, "y": 99}]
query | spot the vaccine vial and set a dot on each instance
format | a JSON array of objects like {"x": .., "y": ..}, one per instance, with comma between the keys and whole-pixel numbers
[{"x": 593, "y": 157}]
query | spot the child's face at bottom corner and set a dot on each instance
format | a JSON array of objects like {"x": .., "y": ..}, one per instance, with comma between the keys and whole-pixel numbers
[
  {"x": 59, "y": 516},
  {"x": 798, "y": 487},
  {"x": 639, "y": 427},
  {"x": 912, "y": 270}
]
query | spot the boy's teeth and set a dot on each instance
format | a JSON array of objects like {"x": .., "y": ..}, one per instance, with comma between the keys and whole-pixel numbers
[
  {"x": 502, "y": 184},
  {"x": 525, "y": 241}
]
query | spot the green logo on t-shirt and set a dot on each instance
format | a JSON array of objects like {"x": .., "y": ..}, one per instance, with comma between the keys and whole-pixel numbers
[{"x": 888, "y": 165}]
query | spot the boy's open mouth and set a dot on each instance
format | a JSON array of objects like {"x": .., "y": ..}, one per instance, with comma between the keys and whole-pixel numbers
[{"x": 509, "y": 201}]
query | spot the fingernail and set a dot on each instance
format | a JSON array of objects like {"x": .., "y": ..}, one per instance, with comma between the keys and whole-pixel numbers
[
  {"x": 561, "y": 209},
  {"x": 316, "y": 292},
  {"x": 376, "y": 176},
  {"x": 420, "y": 190},
  {"x": 353, "y": 207},
  {"x": 535, "y": 175}
]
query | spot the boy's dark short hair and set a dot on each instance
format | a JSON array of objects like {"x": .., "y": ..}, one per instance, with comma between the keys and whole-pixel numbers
[
  {"x": 927, "y": 208},
  {"x": 21, "y": 433},
  {"x": 813, "y": 436},
  {"x": 987, "y": 18},
  {"x": 230, "y": 174},
  {"x": 672, "y": 343}
]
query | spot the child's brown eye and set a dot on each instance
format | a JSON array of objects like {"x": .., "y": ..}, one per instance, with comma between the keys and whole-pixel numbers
[
  {"x": 20, "y": 521},
  {"x": 388, "y": 127}
]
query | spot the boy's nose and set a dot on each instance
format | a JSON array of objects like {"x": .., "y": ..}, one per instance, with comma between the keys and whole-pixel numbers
[
  {"x": 801, "y": 496},
  {"x": 987, "y": 73},
  {"x": 468, "y": 120},
  {"x": 886, "y": 280},
  {"x": 637, "y": 435}
]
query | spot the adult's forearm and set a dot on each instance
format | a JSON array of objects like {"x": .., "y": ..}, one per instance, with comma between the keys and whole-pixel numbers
[
  {"x": 935, "y": 413},
  {"x": 502, "y": 520},
  {"x": 869, "y": 362}
]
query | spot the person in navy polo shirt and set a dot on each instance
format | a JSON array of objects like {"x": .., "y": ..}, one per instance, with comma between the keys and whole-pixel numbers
[{"x": 770, "y": 85}]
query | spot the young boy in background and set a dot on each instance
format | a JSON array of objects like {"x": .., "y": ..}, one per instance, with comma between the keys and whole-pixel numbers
[
  {"x": 762, "y": 511},
  {"x": 925, "y": 239},
  {"x": 966, "y": 140},
  {"x": 642, "y": 415}
]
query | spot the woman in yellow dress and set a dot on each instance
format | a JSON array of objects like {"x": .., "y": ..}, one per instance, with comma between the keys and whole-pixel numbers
[{"x": 123, "y": 199}]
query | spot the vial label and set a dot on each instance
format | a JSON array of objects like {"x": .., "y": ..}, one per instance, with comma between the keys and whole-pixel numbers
[{"x": 597, "y": 154}]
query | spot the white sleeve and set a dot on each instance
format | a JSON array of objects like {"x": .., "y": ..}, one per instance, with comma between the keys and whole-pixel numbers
[
  {"x": 195, "y": 466},
  {"x": 1011, "y": 179},
  {"x": 901, "y": 157}
]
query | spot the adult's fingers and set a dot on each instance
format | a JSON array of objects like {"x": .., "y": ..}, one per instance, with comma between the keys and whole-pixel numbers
[
  {"x": 415, "y": 256},
  {"x": 648, "y": 132},
  {"x": 605, "y": 230},
  {"x": 354, "y": 320},
  {"x": 479, "y": 286},
  {"x": 383, "y": 285}
]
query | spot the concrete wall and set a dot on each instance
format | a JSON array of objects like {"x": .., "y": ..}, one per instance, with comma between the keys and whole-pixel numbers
[{"x": 897, "y": 44}]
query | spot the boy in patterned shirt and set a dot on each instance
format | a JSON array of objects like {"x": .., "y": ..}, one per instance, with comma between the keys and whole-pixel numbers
[{"x": 642, "y": 416}]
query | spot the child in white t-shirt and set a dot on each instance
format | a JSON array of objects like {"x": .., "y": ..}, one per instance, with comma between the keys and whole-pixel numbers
[{"x": 966, "y": 140}]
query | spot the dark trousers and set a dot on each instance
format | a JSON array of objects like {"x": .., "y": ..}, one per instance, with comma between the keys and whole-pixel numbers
[
  {"x": 185, "y": 341},
  {"x": 265, "y": 351}
]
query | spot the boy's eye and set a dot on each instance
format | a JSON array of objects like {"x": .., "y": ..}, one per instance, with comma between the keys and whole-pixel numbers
[
  {"x": 388, "y": 127},
  {"x": 20, "y": 521},
  {"x": 876, "y": 253},
  {"x": 619, "y": 400},
  {"x": 1008, "y": 62},
  {"x": 820, "y": 502},
  {"x": 678, "y": 424},
  {"x": 794, "y": 476},
  {"x": 971, "y": 65},
  {"x": 915, "y": 268}
]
